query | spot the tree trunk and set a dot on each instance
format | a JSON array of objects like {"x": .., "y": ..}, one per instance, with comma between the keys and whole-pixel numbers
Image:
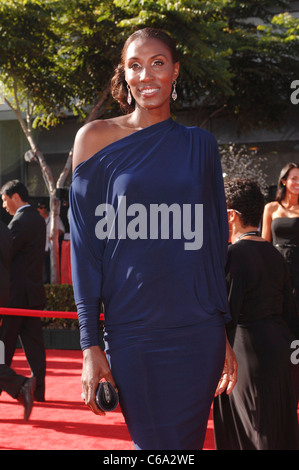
[
  {"x": 54, "y": 238},
  {"x": 51, "y": 187},
  {"x": 48, "y": 176}
]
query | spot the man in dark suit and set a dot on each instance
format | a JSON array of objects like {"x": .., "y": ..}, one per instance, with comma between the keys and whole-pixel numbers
[
  {"x": 28, "y": 229},
  {"x": 17, "y": 386}
]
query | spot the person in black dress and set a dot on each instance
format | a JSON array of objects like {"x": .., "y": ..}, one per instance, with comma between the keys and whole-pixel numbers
[
  {"x": 281, "y": 224},
  {"x": 261, "y": 411}
]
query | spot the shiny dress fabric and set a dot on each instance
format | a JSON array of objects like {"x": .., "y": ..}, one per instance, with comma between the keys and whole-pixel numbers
[
  {"x": 261, "y": 412},
  {"x": 165, "y": 305},
  {"x": 285, "y": 238}
]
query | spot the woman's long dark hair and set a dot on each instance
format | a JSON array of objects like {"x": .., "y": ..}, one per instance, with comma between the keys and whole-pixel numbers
[
  {"x": 119, "y": 89},
  {"x": 281, "y": 189}
]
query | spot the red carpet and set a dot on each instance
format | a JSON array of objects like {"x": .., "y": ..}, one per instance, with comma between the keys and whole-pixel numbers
[{"x": 63, "y": 422}]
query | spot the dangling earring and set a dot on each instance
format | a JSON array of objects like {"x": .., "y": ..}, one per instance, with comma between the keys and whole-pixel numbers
[
  {"x": 174, "y": 94},
  {"x": 129, "y": 98}
]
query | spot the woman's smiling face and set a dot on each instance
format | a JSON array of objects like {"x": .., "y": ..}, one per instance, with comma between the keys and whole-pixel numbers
[
  {"x": 150, "y": 72},
  {"x": 292, "y": 181}
]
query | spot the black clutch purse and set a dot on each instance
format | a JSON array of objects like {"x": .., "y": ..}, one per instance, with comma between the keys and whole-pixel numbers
[{"x": 106, "y": 396}]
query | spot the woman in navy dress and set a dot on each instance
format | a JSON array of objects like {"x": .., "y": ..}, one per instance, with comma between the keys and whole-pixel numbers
[{"x": 149, "y": 239}]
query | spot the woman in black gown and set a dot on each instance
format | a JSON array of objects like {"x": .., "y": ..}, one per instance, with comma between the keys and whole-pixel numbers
[
  {"x": 261, "y": 412},
  {"x": 281, "y": 222}
]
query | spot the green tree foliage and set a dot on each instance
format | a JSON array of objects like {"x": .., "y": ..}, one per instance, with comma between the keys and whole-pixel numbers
[
  {"x": 30, "y": 63},
  {"x": 236, "y": 57},
  {"x": 263, "y": 62}
]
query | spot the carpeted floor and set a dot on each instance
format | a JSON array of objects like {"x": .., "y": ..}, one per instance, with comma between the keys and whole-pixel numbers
[{"x": 63, "y": 422}]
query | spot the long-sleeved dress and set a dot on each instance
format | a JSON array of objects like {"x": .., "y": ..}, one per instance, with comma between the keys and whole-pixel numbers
[
  {"x": 261, "y": 411},
  {"x": 149, "y": 240}
]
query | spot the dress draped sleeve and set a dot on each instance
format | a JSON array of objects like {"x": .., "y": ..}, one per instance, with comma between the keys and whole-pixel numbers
[{"x": 86, "y": 261}]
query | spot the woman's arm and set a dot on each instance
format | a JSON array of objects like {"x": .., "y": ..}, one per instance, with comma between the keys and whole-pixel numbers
[
  {"x": 86, "y": 258},
  {"x": 267, "y": 221}
]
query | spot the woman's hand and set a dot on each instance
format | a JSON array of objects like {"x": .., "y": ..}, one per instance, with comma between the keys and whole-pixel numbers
[
  {"x": 230, "y": 372},
  {"x": 95, "y": 368}
]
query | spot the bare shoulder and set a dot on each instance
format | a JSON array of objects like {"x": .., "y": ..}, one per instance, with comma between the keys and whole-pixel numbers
[
  {"x": 94, "y": 136},
  {"x": 89, "y": 140},
  {"x": 271, "y": 207}
]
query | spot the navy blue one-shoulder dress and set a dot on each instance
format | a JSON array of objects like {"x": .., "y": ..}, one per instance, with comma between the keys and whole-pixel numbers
[{"x": 149, "y": 240}]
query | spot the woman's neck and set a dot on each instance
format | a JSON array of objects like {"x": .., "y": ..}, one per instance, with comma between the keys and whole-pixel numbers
[
  {"x": 290, "y": 200},
  {"x": 142, "y": 117}
]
